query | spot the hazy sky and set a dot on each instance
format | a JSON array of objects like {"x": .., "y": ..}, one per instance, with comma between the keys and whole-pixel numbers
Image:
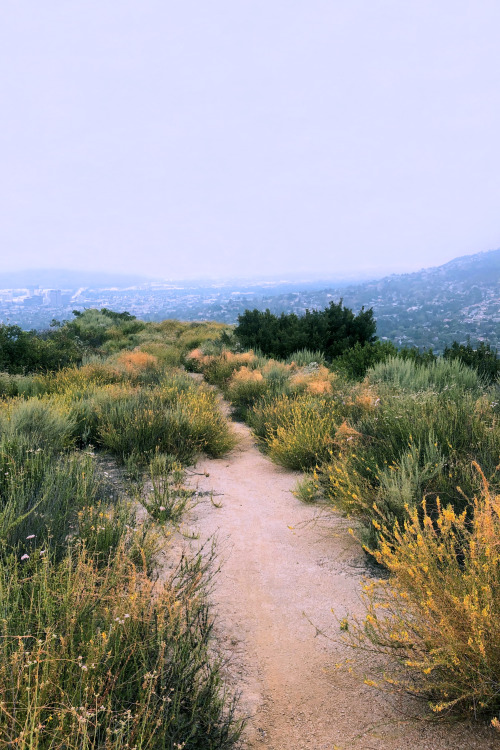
[{"x": 232, "y": 137}]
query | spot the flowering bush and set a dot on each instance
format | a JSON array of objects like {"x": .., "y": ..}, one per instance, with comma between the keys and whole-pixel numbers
[{"x": 438, "y": 615}]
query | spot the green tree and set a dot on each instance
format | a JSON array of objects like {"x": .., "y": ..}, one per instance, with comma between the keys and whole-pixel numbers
[
  {"x": 331, "y": 331},
  {"x": 29, "y": 351}
]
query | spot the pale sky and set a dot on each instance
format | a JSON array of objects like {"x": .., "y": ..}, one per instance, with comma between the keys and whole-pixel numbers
[{"x": 240, "y": 137}]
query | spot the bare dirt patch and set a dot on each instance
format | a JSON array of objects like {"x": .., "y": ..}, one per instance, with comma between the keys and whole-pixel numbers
[{"x": 284, "y": 566}]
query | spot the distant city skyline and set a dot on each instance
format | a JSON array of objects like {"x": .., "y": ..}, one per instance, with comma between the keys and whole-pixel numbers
[{"x": 257, "y": 138}]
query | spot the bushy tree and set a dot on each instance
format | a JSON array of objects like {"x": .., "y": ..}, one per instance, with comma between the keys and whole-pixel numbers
[
  {"x": 29, "y": 351},
  {"x": 331, "y": 331},
  {"x": 64, "y": 343},
  {"x": 93, "y": 327}
]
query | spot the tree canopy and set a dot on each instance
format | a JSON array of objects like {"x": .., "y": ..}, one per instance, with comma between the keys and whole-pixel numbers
[
  {"x": 331, "y": 331},
  {"x": 65, "y": 343}
]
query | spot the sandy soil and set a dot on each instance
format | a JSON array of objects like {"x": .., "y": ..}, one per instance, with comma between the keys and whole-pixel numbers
[{"x": 283, "y": 569}]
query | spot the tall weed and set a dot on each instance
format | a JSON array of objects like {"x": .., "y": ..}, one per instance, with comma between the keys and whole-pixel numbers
[
  {"x": 103, "y": 656},
  {"x": 440, "y": 375},
  {"x": 43, "y": 423},
  {"x": 42, "y": 493}
]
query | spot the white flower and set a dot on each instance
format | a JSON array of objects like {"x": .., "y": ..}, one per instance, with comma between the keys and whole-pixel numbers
[
  {"x": 162, "y": 507},
  {"x": 31, "y": 536},
  {"x": 25, "y": 557}
]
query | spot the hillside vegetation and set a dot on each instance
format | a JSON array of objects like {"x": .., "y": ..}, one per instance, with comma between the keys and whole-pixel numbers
[
  {"x": 429, "y": 308},
  {"x": 97, "y": 649},
  {"x": 407, "y": 444},
  {"x": 411, "y": 452}
]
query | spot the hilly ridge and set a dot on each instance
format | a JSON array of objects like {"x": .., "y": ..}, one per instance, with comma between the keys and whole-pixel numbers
[
  {"x": 436, "y": 306},
  {"x": 428, "y": 308}
]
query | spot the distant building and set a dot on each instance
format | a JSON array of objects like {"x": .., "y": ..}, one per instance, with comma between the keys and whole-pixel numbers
[
  {"x": 34, "y": 301},
  {"x": 53, "y": 298}
]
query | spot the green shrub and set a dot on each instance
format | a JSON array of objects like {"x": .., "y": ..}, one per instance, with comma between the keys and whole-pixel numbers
[
  {"x": 304, "y": 357},
  {"x": 41, "y": 422},
  {"x": 401, "y": 483},
  {"x": 277, "y": 378},
  {"x": 8, "y": 385},
  {"x": 298, "y": 431},
  {"x": 210, "y": 432},
  {"x": 439, "y": 376},
  {"x": 42, "y": 494},
  {"x": 245, "y": 388},
  {"x": 483, "y": 358},
  {"x": 166, "y": 420},
  {"x": 219, "y": 370},
  {"x": 168, "y": 354},
  {"x": 266, "y": 416},
  {"x": 400, "y": 441},
  {"x": 357, "y": 360},
  {"x": 140, "y": 423}
]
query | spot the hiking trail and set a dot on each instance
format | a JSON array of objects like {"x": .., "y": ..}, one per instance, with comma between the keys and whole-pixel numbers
[{"x": 284, "y": 566}]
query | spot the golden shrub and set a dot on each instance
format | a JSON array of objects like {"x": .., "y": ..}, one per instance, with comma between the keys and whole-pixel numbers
[
  {"x": 136, "y": 361},
  {"x": 365, "y": 401},
  {"x": 244, "y": 374},
  {"x": 195, "y": 354},
  {"x": 345, "y": 433},
  {"x": 439, "y": 613},
  {"x": 245, "y": 358},
  {"x": 319, "y": 387},
  {"x": 317, "y": 382},
  {"x": 200, "y": 360},
  {"x": 363, "y": 397}
]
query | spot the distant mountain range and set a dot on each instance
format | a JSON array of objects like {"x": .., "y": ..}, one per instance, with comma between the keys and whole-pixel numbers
[
  {"x": 436, "y": 306},
  {"x": 429, "y": 308}
]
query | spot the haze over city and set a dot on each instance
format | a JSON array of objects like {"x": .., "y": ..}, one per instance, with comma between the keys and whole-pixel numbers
[{"x": 251, "y": 138}]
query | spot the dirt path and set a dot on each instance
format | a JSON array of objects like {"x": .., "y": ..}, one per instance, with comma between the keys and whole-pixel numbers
[{"x": 279, "y": 574}]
